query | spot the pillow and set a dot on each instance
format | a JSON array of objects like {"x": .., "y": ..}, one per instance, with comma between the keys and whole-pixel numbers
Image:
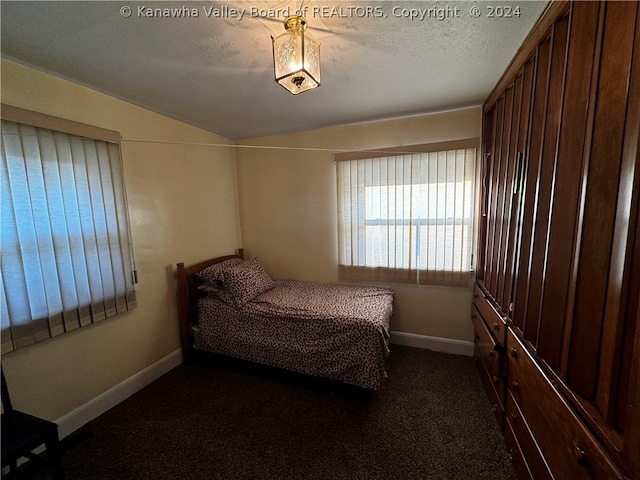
[
  {"x": 245, "y": 281},
  {"x": 212, "y": 276}
]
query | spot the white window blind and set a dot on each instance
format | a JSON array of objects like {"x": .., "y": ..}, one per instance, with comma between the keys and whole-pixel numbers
[
  {"x": 65, "y": 244},
  {"x": 407, "y": 217}
]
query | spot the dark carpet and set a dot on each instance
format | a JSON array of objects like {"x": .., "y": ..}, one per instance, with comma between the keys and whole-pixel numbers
[{"x": 218, "y": 418}]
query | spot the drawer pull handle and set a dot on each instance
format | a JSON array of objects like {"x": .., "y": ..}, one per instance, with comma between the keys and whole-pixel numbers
[
  {"x": 494, "y": 408},
  {"x": 496, "y": 379},
  {"x": 516, "y": 386},
  {"x": 514, "y": 353},
  {"x": 581, "y": 455},
  {"x": 496, "y": 327},
  {"x": 491, "y": 353},
  {"x": 514, "y": 419}
]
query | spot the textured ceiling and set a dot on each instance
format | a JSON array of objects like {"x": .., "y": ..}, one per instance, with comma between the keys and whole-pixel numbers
[{"x": 215, "y": 70}]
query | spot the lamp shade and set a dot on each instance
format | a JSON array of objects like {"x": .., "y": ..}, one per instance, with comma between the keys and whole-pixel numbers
[{"x": 296, "y": 57}]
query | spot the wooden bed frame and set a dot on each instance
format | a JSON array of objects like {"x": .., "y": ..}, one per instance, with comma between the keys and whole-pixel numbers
[{"x": 188, "y": 298}]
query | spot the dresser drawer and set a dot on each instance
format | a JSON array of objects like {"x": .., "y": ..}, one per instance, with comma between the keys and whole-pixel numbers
[
  {"x": 492, "y": 318},
  {"x": 517, "y": 458},
  {"x": 486, "y": 347},
  {"x": 519, "y": 427},
  {"x": 569, "y": 449},
  {"x": 492, "y": 388}
]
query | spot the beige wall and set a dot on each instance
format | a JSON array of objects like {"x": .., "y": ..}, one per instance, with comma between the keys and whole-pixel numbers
[
  {"x": 183, "y": 206},
  {"x": 288, "y": 209}
]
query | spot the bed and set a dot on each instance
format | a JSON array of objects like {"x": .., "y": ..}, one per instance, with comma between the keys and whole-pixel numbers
[{"x": 231, "y": 306}]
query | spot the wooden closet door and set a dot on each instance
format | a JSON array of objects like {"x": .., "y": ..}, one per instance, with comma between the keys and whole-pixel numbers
[
  {"x": 528, "y": 325},
  {"x": 501, "y": 172},
  {"x": 601, "y": 198},
  {"x": 600, "y": 344},
  {"x": 504, "y": 169},
  {"x": 487, "y": 145},
  {"x": 521, "y": 158},
  {"x": 545, "y": 180},
  {"x": 492, "y": 172},
  {"x": 508, "y": 220},
  {"x": 568, "y": 181}
]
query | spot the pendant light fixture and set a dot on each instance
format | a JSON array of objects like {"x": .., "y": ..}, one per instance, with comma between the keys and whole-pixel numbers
[{"x": 296, "y": 57}]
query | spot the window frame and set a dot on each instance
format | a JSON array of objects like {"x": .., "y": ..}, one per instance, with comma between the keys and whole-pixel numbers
[
  {"x": 15, "y": 340},
  {"x": 414, "y": 275}
]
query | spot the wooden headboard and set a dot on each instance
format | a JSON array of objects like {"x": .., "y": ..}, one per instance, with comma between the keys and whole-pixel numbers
[{"x": 188, "y": 298}]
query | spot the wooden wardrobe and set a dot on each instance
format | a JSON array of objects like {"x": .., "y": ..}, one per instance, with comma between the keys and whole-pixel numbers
[{"x": 557, "y": 299}]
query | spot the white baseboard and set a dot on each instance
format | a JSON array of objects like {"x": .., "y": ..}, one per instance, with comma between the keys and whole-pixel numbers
[
  {"x": 75, "y": 419},
  {"x": 437, "y": 344}
]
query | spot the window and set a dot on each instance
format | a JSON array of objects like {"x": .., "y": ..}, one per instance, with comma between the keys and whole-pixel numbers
[
  {"x": 406, "y": 215},
  {"x": 66, "y": 253}
]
